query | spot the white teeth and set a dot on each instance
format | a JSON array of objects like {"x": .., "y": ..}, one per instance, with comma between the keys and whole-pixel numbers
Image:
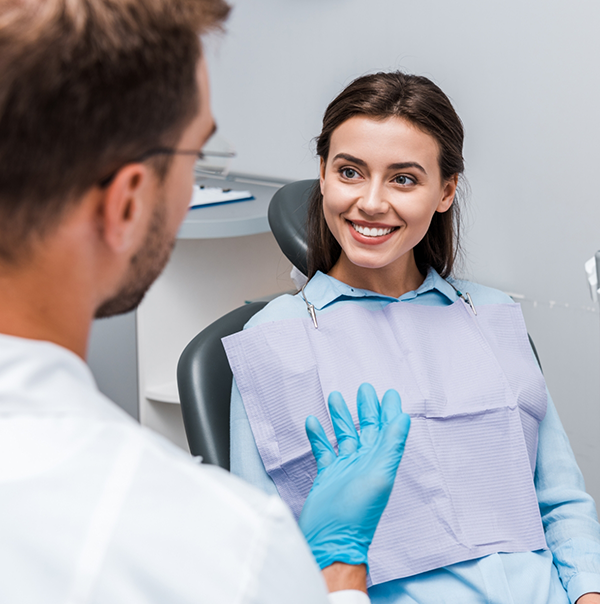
[{"x": 371, "y": 232}]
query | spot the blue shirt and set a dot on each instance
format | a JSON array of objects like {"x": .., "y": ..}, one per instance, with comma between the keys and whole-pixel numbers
[{"x": 561, "y": 574}]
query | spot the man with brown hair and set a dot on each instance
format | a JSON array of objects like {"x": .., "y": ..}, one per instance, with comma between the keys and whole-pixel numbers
[{"x": 104, "y": 106}]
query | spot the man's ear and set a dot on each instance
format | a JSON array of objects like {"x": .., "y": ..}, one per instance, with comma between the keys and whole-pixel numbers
[
  {"x": 449, "y": 194},
  {"x": 123, "y": 206}
]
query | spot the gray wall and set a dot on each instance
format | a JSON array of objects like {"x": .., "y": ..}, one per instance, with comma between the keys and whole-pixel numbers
[
  {"x": 525, "y": 78},
  {"x": 112, "y": 357}
]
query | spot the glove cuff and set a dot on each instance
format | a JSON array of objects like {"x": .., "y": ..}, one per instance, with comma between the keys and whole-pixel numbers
[{"x": 348, "y": 555}]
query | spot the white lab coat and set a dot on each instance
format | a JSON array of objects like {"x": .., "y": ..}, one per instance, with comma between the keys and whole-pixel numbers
[{"x": 94, "y": 508}]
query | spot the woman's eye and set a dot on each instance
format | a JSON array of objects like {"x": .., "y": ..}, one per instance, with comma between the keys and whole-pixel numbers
[
  {"x": 404, "y": 180},
  {"x": 349, "y": 173}
]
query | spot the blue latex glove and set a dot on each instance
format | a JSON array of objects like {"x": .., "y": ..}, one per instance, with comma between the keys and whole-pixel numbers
[{"x": 351, "y": 489}]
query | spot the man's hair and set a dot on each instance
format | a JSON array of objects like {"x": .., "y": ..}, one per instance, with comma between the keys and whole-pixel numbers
[{"x": 86, "y": 86}]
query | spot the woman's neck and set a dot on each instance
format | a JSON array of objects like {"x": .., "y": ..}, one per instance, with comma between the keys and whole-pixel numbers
[{"x": 393, "y": 280}]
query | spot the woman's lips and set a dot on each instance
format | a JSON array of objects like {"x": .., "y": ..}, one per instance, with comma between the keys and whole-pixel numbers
[{"x": 371, "y": 235}]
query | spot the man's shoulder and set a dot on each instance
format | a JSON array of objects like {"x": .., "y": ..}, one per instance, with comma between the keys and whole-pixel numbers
[
  {"x": 180, "y": 512},
  {"x": 165, "y": 524},
  {"x": 48, "y": 397},
  {"x": 219, "y": 489}
]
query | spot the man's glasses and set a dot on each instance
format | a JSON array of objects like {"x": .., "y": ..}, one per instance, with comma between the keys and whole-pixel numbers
[{"x": 201, "y": 155}]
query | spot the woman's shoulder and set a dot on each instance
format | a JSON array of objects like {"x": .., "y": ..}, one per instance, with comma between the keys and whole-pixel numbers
[
  {"x": 286, "y": 306},
  {"x": 482, "y": 294}
]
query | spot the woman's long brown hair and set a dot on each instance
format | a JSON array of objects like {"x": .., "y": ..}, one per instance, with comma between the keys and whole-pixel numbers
[{"x": 419, "y": 101}]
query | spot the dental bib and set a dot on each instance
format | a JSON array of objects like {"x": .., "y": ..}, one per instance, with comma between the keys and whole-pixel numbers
[{"x": 465, "y": 487}]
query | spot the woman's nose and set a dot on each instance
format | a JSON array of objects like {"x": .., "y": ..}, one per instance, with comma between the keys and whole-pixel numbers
[{"x": 373, "y": 199}]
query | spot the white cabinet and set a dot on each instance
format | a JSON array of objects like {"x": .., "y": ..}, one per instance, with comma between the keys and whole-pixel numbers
[{"x": 224, "y": 256}]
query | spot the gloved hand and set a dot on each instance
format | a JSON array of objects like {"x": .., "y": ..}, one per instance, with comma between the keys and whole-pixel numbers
[{"x": 352, "y": 488}]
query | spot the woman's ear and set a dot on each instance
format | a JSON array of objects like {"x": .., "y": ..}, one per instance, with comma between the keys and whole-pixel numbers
[
  {"x": 448, "y": 195},
  {"x": 321, "y": 174},
  {"x": 121, "y": 208}
]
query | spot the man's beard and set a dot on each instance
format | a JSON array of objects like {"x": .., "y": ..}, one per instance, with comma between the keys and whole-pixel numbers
[{"x": 146, "y": 265}]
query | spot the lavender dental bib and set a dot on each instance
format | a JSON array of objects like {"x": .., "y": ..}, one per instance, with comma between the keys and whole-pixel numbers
[{"x": 476, "y": 397}]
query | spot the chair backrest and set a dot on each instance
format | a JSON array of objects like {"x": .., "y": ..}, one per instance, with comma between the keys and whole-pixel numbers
[
  {"x": 204, "y": 381},
  {"x": 287, "y": 218}
]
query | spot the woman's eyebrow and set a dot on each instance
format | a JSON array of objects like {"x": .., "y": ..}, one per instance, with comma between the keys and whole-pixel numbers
[
  {"x": 396, "y": 166},
  {"x": 350, "y": 158},
  {"x": 407, "y": 164}
]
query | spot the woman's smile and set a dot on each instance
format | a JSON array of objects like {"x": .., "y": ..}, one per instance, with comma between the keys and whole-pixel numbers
[{"x": 371, "y": 234}]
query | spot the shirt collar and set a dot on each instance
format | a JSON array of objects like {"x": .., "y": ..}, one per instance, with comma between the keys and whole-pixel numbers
[{"x": 322, "y": 290}]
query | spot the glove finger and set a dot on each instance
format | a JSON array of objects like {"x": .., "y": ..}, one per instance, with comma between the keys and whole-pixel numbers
[
  {"x": 343, "y": 424},
  {"x": 391, "y": 406},
  {"x": 319, "y": 443},
  {"x": 369, "y": 414}
]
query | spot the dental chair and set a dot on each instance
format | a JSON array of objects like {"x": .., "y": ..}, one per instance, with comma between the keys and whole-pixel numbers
[
  {"x": 204, "y": 377},
  {"x": 204, "y": 382},
  {"x": 287, "y": 218}
]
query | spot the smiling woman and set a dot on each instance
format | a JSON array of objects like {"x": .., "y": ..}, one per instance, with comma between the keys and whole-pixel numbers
[
  {"x": 407, "y": 125},
  {"x": 379, "y": 200},
  {"x": 489, "y": 504}
]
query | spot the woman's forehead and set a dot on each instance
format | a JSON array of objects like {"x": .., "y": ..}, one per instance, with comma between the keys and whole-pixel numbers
[{"x": 392, "y": 139}]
